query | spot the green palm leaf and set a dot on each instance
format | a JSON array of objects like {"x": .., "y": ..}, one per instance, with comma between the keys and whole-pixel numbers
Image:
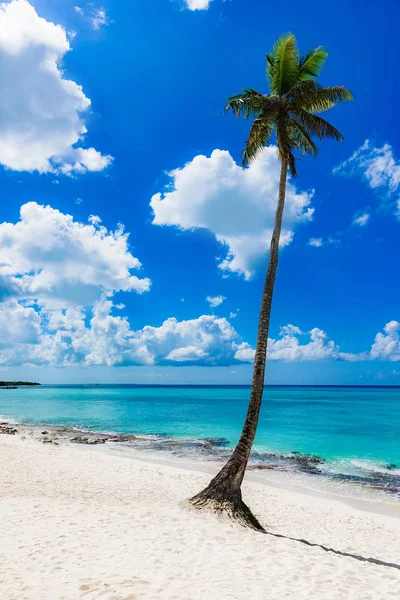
[
  {"x": 312, "y": 97},
  {"x": 302, "y": 140},
  {"x": 310, "y": 65},
  {"x": 260, "y": 135},
  {"x": 317, "y": 126},
  {"x": 282, "y": 64},
  {"x": 248, "y": 103}
]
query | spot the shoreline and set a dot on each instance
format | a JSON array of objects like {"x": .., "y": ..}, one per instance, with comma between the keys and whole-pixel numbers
[
  {"x": 83, "y": 523},
  {"x": 360, "y": 496}
]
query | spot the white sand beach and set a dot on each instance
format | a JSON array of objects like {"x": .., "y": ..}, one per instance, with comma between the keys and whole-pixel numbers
[{"x": 78, "y": 523}]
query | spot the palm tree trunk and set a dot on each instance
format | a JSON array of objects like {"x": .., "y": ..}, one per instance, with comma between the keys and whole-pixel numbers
[{"x": 224, "y": 493}]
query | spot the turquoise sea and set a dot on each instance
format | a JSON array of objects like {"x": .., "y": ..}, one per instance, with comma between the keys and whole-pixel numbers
[{"x": 355, "y": 431}]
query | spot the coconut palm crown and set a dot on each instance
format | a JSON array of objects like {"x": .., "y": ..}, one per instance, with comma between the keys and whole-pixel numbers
[{"x": 289, "y": 110}]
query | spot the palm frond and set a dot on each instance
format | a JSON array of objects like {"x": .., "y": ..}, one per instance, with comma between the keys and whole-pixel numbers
[
  {"x": 326, "y": 98},
  {"x": 248, "y": 103},
  {"x": 282, "y": 64},
  {"x": 313, "y": 97},
  {"x": 301, "y": 138},
  {"x": 301, "y": 92},
  {"x": 260, "y": 135},
  {"x": 317, "y": 125},
  {"x": 310, "y": 65},
  {"x": 269, "y": 69}
]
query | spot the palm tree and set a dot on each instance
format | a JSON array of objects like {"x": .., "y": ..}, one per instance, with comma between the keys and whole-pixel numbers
[{"x": 288, "y": 112}]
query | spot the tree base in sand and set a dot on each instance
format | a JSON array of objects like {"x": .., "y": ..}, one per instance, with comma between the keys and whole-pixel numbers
[{"x": 229, "y": 504}]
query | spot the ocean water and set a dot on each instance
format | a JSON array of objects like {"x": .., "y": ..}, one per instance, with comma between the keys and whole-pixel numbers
[{"x": 354, "y": 431}]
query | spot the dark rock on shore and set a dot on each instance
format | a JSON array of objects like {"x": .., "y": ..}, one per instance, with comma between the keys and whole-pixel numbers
[
  {"x": 260, "y": 467},
  {"x": 87, "y": 440},
  {"x": 216, "y": 442},
  {"x": 8, "y": 430},
  {"x": 309, "y": 458},
  {"x": 122, "y": 438}
]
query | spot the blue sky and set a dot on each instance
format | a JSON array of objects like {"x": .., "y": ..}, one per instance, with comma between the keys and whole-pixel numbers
[{"x": 152, "y": 151}]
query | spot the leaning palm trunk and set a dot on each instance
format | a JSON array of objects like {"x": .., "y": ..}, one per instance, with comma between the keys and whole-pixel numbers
[{"x": 224, "y": 491}]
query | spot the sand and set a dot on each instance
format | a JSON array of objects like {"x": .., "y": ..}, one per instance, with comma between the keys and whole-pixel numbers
[{"x": 83, "y": 523}]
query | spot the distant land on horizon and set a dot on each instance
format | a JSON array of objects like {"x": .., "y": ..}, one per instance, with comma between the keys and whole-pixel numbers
[{"x": 17, "y": 383}]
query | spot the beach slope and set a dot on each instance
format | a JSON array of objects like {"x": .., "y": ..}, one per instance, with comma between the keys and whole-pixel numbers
[{"x": 79, "y": 523}]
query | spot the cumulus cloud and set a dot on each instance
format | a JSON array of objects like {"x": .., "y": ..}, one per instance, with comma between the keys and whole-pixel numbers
[
  {"x": 236, "y": 204},
  {"x": 197, "y": 4},
  {"x": 57, "y": 279},
  {"x": 18, "y": 324},
  {"x": 361, "y": 220},
  {"x": 315, "y": 242},
  {"x": 50, "y": 258},
  {"x": 288, "y": 347},
  {"x": 75, "y": 336},
  {"x": 387, "y": 344},
  {"x": 377, "y": 166},
  {"x": 66, "y": 340},
  {"x": 215, "y": 300},
  {"x": 41, "y": 112}
]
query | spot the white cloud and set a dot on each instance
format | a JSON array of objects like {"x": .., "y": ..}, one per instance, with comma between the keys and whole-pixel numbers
[
  {"x": 48, "y": 257},
  {"x": 315, "y": 242},
  {"x": 291, "y": 330},
  {"x": 97, "y": 17},
  {"x": 197, "y": 4},
  {"x": 18, "y": 324},
  {"x": 57, "y": 276},
  {"x": 108, "y": 340},
  {"x": 288, "y": 347},
  {"x": 378, "y": 166},
  {"x": 237, "y": 205},
  {"x": 245, "y": 352},
  {"x": 215, "y": 300},
  {"x": 387, "y": 344},
  {"x": 73, "y": 336},
  {"x": 361, "y": 220},
  {"x": 41, "y": 114}
]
